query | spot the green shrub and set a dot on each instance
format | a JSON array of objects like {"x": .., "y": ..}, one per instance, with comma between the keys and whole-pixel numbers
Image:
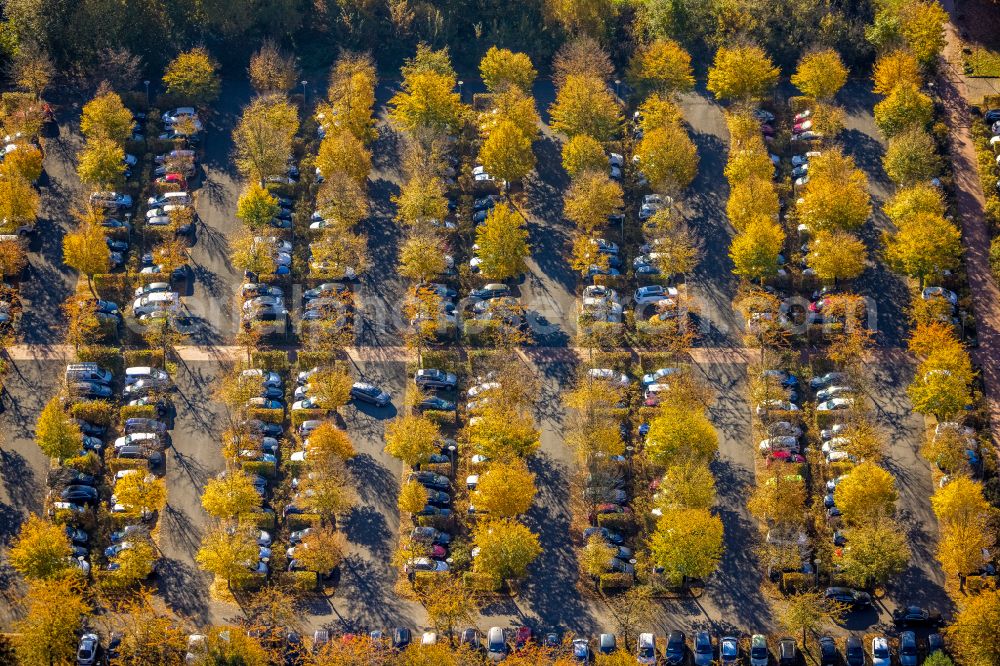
[
  {"x": 480, "y": 582},
  {"x": 263, "y": 520},
  {"x": 100, "y": 412},
  {"x": 267, "y": 469},
  {"x": 794, "y": 581},
  {"x": 276, "y": 361},
  {"x": 88, "y": 464},
  {"x": 302, "y": 581},
  {"x": 312, "y": 359},
  {"x": 267, "y": 415},
  {"x": 448, "y": 361},
  {"x": 137, "y": 412},
  {"x": 442, "y": 418},
  {"x": 299, "y": 521},
  {"x": 144, "y": 357},
  {"x": 115, "y": 465},
  {"x": 114, "y": 287},
  {"x": 109, "y": 358},
  {"x": 617, "y": 361},
  {"x": 622, "y": 523},
  {"x": 616, "y": 581},
  {"x": 300, "y": 415}
]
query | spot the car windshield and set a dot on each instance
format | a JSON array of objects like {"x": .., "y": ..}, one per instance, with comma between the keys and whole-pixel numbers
[
  {"x": 646, "y": 651},
  {"x": 881, "y": 651},
  {"x": 758, "y": 652}
]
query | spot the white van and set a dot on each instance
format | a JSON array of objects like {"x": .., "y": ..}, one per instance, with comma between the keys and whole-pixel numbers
[
  {"x": 137, "y": 439},
  {"x": 160, "y": 300}
]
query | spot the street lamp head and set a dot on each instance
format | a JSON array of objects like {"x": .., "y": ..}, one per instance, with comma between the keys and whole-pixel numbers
[
  {"x": 146, "y": 82},
  {"x": 304, "y": 82},
  {"x": 618, "y": 82}
]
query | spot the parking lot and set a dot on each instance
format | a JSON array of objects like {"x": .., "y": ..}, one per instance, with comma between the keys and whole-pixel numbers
[{"x": 365, "y": 596}]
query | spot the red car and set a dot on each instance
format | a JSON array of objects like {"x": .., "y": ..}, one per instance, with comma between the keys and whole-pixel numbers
[
  {"x": 173, "y": 179},
  {"x": 785, "y": 456},
  {"x": 522, "y": 637}
]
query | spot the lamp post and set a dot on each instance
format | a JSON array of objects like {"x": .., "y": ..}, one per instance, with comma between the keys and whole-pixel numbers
[
  {"x": 460, "y": 84},
  {"x": 304, "y": 82},
  {"x": 816, "y": 570},
  {"x": 618, "y": 83},
  {"x": 454, "y": 460},
  {"x": 146, "y": 83}
]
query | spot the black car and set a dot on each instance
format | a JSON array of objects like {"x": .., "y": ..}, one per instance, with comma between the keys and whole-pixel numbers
[
  {"x": 828, "y": 651},
  {"x": 325, "y": 290},
  {"x": 470, "y": 636},
  {"x": 992, "y": 116},
  {"x": 370, "y": 393},
  {"x": 432, "y": 378},
  {"x": 92, "y": 429},
  {"x": 909, "y": 653},
  {"x": 915, "y": 616},
  {"x": 607, "y": 644},
  {"x": 788, "y": 652},
  {"x": 434, "y": 403},
  {"x": 430, "y": 479},
  {"x": 431, "y": 510},
  {"x": 79, "y": 494},
  {"x": 265, "y": 429},
  {"x": 854, "y": 652},
  {"x": 676, "y": 649},
  {"x": 854, "y": 598},
  {"x": 401, "y": 637},
  {"x": 490, "y": 291},
  {"x": 485, "y": 203}
]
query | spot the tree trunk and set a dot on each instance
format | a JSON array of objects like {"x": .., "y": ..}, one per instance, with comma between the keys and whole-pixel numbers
[{"x": 90, "y": 285}]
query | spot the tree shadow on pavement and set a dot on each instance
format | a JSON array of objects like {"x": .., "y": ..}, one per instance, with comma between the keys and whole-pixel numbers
[{"x": 184, "y": 589}]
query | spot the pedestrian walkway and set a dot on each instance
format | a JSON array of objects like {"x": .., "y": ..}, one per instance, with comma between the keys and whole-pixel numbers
[{"x": 969, "y": 202}]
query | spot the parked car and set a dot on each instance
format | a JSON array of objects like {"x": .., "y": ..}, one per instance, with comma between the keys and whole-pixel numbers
[
  {"x": 704, "y": 652},
  {"x": 909, "y": 653},
  {"x": 760, "y": 655},
  {"x": 854, "y": 598},
  {"x": 881, "y": 656},
  {"x": 496, "y": 644},
  {"x": 676, "y": 651},
  {"x": 86, "y": 651},
  {"x": 370, "y": 393},
  {"x": 729, "y": 650},
  {"x": 433, "y": 378},
  {"x": 788, "y": 652},
  {"x": 645, "y": 649},
  {"x": 915, "y": 616},
  {"x": 828, "y": 655}
]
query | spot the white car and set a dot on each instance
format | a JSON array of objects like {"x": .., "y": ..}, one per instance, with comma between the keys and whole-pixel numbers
[
  {"x": 836, "y": 444},
  {"x": 137, "y": 438},
  {"x": 784, "y": 428},
  {"x": 479, "y": 389},
  {"x": 835, "y": 404},
  {"x": 940, "y": 292},
  {"x": 832, "y": 392},
  {"x": 655, "y": 376},
  {"x": 607, "y": 374},
  {"x": 653, "y": 294},
  {"x": 776, "y": 406},
  {"x": 832, "y": 431},
  {"x": 840, "y": 456},
  {"x": 151, "y": 288},
  {"x": 781, "y": 442},
  {"x": 601, "y": 292}
]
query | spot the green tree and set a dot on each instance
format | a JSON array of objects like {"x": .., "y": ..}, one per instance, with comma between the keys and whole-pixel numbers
[
  {"x": 687, "y": 485},
  {"x": 973, "y": 634},
  {"x": 342, "y": 202},
  {"x": 422, "y": 256},
  {"x": 808, "y": 612},
  {"x": 506, "y": 548},
  {"x": 924, "y": 244},
  {"x": 24, "y": 163},
  {"x": 755, "y": 251},
  {"x": 448, "y": 604},
  {"x": 505, "y": 490},
  {"x": 911, "y": 158},
  {"x": 943, "y": 392},
  {"x": 741, "y": 73},
  {"x": 412, "y": 497},
  {"x": 921, "y": 25},
  {"x": 836, "y": 196},
  {"x": 19, "y": 201},
  {"x": 866, "y": 494},
  {"x": 596, "y": 556},
  {"x": 687, "y": 543},
  {"x": 503, "y": 243},
  {"x": 331, "y": 388},
  {"x": 878, "y": 551},
  {"x": 412, "y": 439},
  {"x": 140, "y": 493},
  {"x": 502, "y": 68},
  {"x": 662, "y": 65},
  {"x": 322, "y": 550},
  {"x": 193, "y": 77},
  {"x": 230, "y": 495},
  {"x": 896, "y": 68},
  {"x": 101, "y": 164},
  {"x": 837, "y": 255},
  {"x": 583, "y": 153},
  {"x": 247, "y": 254},
  {"x": 48, "y": 632},
  {"x": 256, "y": 207},
  {"x": 506, "y": 153},
  {"x": 262, "y": 139},
  {"x": 502, "y": 433},
  {"x": 905, "y": 107},
  {"x": 56, "y": 434},
  {"x": 228, "y": 553},
  {"x": 86, "y": 251},
  {"x": 352, "y": 94},
  {"x": 272, "y": 71},
  {"x": 584, "y": 105},
  {"x": 679, "y": 433},
  {"x": 668, "y": 158},
  {"x": 591, "y": 198},
  {"x": 820, "y": 74},
  {"x": 428, "y": 104},
  {"x": 779, "y": 500},
  {"x": 581, "y": 56},
  {"x": 106, "y": 117},
  {"x": 40, "y": 550},
  {"x": 922, "y": 198},
  {"x": 342, "y": 151},
  {"x": 421, "y": 199}
]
